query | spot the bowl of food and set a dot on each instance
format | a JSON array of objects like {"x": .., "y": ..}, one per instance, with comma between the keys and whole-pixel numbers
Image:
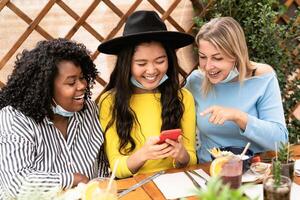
[
  {"x": 233, "y": 150},
  {"x": 260, "y": 168}
]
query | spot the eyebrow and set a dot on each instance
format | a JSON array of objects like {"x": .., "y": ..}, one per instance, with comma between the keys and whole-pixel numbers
[
  {"x": 145, "y": 60},
  {"x": 212, "y": 55},
  {"x": 72, "y": 77}
]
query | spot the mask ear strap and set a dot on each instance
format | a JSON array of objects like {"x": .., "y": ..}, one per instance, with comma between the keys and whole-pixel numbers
[
  {"x": 234, "y": 65},
  {"x": 54, "y": 101}
]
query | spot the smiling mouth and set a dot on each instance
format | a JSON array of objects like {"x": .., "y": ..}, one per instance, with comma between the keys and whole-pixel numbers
[
  {"x": 150, "y": 78},
  {"x": 79, "y": 97},
  {"x": 213, "y": 74}
]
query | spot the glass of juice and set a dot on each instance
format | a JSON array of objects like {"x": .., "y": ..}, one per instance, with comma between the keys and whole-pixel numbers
[
  {"x": 99, "y": 189},
  {"x": 231, "y": 171}
]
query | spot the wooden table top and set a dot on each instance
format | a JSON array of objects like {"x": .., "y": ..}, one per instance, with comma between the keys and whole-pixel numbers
[{"x": 150, "y": 191}]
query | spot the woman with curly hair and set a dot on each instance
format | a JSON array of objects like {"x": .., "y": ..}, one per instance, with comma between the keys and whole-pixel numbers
[
  {"x": 50, "y": 136},
  {"x": 144, "y": 97}
]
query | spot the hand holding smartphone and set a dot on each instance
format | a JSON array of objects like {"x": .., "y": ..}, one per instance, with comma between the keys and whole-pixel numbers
[{"x": 171, "y": 134}]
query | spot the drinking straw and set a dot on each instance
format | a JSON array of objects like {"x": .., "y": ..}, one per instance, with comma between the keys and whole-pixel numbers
[
  {"x": 245, "y": 149},
  {"x": 113, "y": 175},
  {"x": 287, "y": 156},
  {"x": 276, "y": 151}
]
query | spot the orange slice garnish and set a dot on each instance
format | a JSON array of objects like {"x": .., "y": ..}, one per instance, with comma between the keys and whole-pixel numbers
[{"x": 217, "y": 165}]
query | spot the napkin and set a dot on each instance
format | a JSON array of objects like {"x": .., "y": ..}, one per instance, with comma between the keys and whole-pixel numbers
[
  {"x": 255, "y": 191},
  {"x": 249, "y": 176},
  {"x": 178, "y": 185}
]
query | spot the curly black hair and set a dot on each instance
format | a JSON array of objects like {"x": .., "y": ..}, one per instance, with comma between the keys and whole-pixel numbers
[{"x": 30, "y": 86}]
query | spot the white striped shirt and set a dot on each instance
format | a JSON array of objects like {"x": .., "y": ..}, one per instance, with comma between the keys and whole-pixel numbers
[{"x": 35, "y": 157}]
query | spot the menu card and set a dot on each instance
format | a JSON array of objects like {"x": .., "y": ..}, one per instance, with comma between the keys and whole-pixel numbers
[{"x": 178, "y": 185}]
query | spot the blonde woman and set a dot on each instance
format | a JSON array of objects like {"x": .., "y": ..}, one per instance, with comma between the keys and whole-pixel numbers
[{"x": 237, "y": 100}]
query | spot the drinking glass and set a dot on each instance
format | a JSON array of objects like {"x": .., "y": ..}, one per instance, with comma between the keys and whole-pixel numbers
[
  {"x": 100, "y": 191},
  {"x": 287, "y": 169},
  {"x": 231, "y": 172},
  {"x": 279, "y": 192}
]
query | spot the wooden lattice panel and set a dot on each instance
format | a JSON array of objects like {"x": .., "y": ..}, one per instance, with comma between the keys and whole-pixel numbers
[
  {"x": 82, "y": 21},
  {"x": 85, "y": 19},
  {"x": 291, "y": 5}
]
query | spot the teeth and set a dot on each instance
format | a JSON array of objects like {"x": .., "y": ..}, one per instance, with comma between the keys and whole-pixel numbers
[
  {"x": 212, "y": 73},
  {"x": 79, "y": 97},
  {"x": 150, "y": 77}
]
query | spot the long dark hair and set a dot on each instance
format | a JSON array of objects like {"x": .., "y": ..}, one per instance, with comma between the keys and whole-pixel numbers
[
  {"x": 120, "y": 85},
  {"x": 30, "y": 87}
]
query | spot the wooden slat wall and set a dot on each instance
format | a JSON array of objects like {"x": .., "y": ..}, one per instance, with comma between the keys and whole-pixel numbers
[{"x": 81, "y": 21}]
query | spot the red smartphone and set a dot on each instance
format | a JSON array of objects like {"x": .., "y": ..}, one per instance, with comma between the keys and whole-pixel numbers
[{"x": 171, "y": 134}]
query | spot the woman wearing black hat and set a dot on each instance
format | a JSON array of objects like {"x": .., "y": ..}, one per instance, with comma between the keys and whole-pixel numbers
[{"x": 144, "y": 97}]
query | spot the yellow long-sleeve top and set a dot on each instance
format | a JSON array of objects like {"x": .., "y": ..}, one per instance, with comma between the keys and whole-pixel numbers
[{"x": 147, "y": 108}]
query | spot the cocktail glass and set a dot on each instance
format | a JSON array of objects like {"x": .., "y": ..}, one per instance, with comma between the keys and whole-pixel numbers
[{"x": 231, "y": 171}]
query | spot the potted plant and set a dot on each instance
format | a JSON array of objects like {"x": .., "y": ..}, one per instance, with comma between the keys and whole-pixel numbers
[
  {"x": 284, "y": 158},
  {"x": 217, "y": 190},
  {"x": 276, "y": 186}
]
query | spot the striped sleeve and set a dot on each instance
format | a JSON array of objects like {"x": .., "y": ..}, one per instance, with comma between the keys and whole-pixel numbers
[
  {"x": 103, "y": 164},
  {"x": 103, "y": 170},
  {"x": 17, "y": 153}
]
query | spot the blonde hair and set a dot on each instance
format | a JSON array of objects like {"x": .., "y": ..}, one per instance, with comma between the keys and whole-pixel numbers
[{"x": 227, "y": 36}]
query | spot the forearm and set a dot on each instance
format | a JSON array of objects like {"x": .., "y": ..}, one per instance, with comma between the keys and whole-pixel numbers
[
  {"x": 182, "y": 160},
  {"x": 79, "y": 178},
  {"x": 265, "y": 133},
  {"x": 136, "y": 161},
  {"x": 24, "y": 184},
  {"x": 192, "y": 157},
  {"x": 16, "y": 175},
  {"x": 241, "y": 119}
]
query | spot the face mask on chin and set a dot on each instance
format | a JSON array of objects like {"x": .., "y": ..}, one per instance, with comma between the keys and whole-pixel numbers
[
  {"x": 232, "y": 74},
  {"x": 139, "y": 85},
  {"x": 61, "y": 111}
]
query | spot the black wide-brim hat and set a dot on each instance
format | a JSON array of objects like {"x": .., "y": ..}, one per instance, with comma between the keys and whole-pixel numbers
[{"x": 145, "y": 26}]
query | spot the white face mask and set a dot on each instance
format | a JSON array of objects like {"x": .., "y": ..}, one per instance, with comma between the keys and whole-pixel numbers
[
  {"x": 61, "y": 111},
  {"x": 232, "y": 74},
  {"x": 139, "y": 85}
]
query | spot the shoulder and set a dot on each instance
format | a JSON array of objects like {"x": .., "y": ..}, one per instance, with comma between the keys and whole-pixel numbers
[
  {"x": 11, "y": 113},
  {"x": 7, "y": 114},
  {"x": 195, "y": 75},
  {"x": 262, "y": 69},
  {"x": 194, "y": 81},
  {"x": 187, "y": 96},
  {"x": 106, "y": 97},
  {"x": 186, "y": 93},
  {"x": 13, "y": 120},
  {"x": 106, "y": 101}
]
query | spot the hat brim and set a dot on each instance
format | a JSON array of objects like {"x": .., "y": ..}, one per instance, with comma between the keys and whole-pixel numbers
[{"x": 173, "y": 39}]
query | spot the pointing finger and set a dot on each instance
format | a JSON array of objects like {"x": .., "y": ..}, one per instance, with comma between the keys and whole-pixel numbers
[{"x": 206, "y": 111}]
